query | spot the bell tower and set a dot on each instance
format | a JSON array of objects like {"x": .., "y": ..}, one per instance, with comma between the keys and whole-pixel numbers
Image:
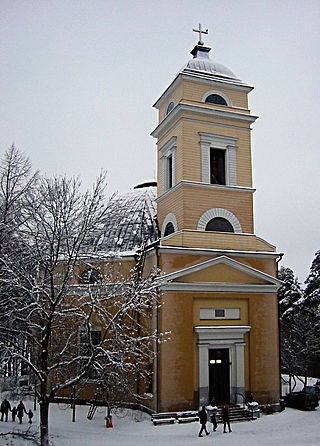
[
  {"x": 204, "y": 154},
  {"x": 219, "y": 296}
]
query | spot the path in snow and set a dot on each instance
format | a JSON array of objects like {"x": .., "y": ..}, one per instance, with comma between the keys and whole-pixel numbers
[{"x": 289, "y": 428}]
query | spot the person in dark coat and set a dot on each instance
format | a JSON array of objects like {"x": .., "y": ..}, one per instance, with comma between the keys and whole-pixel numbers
[
  {"x": 30, "y": 415},
  {"x": 226, "y": 418},
  {"x": 203, "y": 418},
  {"x": 21, "y": 410},
  {"x": 5, "y": 407},
  {"x": 214, "y": 420},
  {"x": 14, "y": 413},
  {"x": 2, "y": 410}
]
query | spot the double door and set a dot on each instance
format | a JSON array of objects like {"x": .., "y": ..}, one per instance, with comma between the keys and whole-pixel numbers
[{"x": 219, "y": 376}]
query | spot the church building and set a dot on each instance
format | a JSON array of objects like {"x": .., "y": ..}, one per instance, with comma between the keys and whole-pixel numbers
[{"x": 219, "y": 294}]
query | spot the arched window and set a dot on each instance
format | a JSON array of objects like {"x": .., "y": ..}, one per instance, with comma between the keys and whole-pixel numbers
[
  {"x": 219, "y": 224},
  {"x": 216, "y": 99},
  {"x": 169, "y": 229},
  {"x": 91, "y": 276},
  {"x": 170, "y": 107}
]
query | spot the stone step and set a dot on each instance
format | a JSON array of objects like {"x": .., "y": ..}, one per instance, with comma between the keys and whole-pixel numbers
[{"x": 236, "y": 414}]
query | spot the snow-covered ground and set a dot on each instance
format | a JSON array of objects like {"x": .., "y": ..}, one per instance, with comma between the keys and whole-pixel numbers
[{"x": 289, "y": 428}]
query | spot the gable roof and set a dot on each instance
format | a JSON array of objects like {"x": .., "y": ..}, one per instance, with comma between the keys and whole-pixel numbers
[{"x": 267, "y": 283}]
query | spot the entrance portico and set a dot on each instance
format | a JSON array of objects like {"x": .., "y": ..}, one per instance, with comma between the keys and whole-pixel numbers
[{"x": 216, "y": 342}]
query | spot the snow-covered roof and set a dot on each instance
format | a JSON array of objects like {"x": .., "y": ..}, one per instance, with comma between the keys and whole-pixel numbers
[
  {"x": 131, "y": 220},
  {"x": 201, "y": 63}
]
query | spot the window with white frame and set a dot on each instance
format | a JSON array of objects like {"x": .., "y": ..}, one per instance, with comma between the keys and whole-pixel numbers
[
  {"x": 218, "y": 159},
  {"x": 216, "y": 97},
  {"x": 169, "y": 225},
  {"x": 168, "y": 160}
]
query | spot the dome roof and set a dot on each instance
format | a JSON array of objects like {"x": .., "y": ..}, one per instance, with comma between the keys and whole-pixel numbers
[
  {"x": 202, "y": 63},
  {"x": 131, "y": 220},
  {"x": 209, "y": 66}
]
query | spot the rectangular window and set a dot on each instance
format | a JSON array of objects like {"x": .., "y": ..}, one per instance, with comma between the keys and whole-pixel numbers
[
  {"x": 217, "y": 166},
  {"x": 170, "y": 171},
  {"x": 85, "y": 347},
  {"x": 219, "y": 313}
]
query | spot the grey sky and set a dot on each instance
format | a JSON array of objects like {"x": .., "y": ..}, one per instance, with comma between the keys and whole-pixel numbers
[{"x": 78, "y": 79}]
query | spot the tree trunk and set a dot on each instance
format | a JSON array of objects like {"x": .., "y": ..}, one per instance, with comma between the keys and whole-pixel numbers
[
  {"x": 73, "y": 404},
  {"x": 44, "y": 425}
]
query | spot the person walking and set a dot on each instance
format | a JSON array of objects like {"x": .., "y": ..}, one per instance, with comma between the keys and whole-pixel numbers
[
  {"x": 2, "y": 410},
  {"x": 214, "y": 419},
  {"x": 14, "y": 413},
  {"x": 203, "y": 418},
  {"x": 5, "y": 407},
  {"x": 21, "y": 410},
  {"x": 226, "y": 418},
  {"x": 30, "y": 415}
]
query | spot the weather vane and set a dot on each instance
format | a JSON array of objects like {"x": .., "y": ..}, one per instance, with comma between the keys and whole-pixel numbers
[{"x": 200, "y": 31}]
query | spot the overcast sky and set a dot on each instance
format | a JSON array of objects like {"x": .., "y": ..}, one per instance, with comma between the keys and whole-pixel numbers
[{"x": 79, "y": 77}]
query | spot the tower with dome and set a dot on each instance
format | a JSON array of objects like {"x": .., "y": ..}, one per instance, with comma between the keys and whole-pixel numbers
[{"x": 220, "y": 297}]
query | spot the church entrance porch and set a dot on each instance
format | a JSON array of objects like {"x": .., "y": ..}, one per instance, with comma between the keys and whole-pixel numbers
[
  {"x": 221, "y": 363},
  {"x": 219, "y": 376}
]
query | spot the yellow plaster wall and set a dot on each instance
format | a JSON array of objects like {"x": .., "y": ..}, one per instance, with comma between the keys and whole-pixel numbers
[
  {"x": 174, "y": 262},
  {"x": 217, "y": 240},
  {"x": 264, "y": 348},
  {"x": 219, "y": 274},
  {"x": 224, "y": 301},
  {"x": 194, "y": 91},
  {"x": 176, "y": 355},
  {"x": 176, "y": 95},
  {"x": 188, "y": 203}
]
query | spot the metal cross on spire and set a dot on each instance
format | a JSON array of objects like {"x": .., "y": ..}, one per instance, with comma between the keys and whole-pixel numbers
[{"x": 200, "y": 31}]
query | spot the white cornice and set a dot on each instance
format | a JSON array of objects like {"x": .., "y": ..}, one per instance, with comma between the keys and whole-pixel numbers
[
  {"x": 169, "y": 145},
  {"x": 209, "y": 252},
  {"x": 192, "y": 287},
  {"x": 179, "y": 109},
  {"x": 207, "y": 186},
  {"x": 204, "y": 330}
]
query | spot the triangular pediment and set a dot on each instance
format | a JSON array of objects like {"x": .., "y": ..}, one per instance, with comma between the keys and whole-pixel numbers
[{"x": 222, "y": 270}]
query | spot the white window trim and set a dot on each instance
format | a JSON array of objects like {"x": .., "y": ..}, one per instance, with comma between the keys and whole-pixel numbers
[
  {"x": 207, "y": 314},
  {"x": 170, "y": 218},
  {"x": 219, "y": 93},
  {"x": 227, "y": 143},
  {"x": 232, "y": 338},
  {"x": 167, "y": 150},
  {"x": 218, "y": 212}
]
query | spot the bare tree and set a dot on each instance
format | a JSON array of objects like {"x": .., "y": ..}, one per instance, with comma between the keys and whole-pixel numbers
[
  {"x": 17, "y": 183},
  {"x": 57, "y": 316}
]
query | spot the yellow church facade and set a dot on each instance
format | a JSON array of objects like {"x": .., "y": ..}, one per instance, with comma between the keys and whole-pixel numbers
[{"x": 219, "y": 296}]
